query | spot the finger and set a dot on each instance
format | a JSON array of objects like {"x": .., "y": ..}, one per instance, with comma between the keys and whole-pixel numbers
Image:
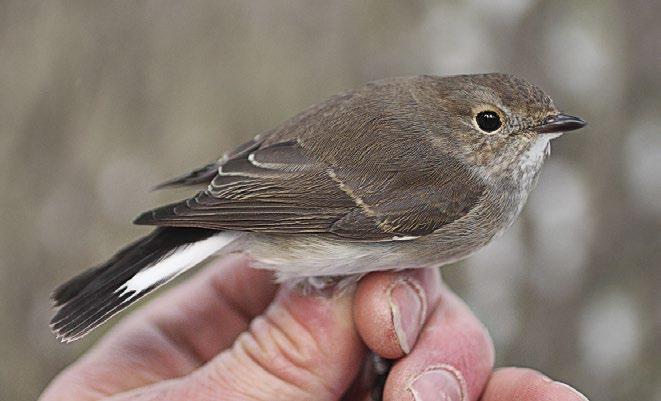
[
  {"x": 527, "y": 385},
  {"x": 178, "y": 332},
  {"x": 451, "y": 360},
  {"x": 390, "y": 308},
  {"x": 301, "y": 348}
]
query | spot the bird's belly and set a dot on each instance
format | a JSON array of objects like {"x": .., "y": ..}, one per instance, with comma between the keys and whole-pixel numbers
[
  {"x": 308, "y": 256},
  {"x": 311, "y": 256}
]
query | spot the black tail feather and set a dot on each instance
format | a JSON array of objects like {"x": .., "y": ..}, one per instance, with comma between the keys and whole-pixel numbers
[{"x": 88, "y": 300}]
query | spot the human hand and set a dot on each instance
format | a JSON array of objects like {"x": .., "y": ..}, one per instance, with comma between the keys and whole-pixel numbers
[{"x": 231, "y": 334}]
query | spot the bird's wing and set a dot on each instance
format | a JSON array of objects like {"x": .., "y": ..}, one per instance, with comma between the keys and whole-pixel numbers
[
  {"x": 279, "y": 188},
  {"x": 364, "y": 165}
]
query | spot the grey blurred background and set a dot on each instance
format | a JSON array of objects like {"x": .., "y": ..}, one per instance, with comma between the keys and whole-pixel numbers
[{"x": 101, "y": 100}]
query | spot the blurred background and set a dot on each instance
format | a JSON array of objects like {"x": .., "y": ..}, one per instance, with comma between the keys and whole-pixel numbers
[{"x": 100, "y": 100}]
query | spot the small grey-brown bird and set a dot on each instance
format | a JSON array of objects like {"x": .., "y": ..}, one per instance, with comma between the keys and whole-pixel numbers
[{"x": 399, "y": 173}]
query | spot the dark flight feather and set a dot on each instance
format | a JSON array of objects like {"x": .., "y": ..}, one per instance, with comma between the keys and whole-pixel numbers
[
  {"x": 200, "y": 176},
  {"x": 204, "y": 175}
]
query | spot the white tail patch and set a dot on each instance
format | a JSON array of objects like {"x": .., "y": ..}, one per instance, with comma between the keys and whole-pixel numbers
[{"x": 177, "y": 262}]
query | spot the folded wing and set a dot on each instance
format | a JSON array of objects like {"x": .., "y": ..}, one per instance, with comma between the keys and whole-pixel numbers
[{"x": 280, "y": 188}]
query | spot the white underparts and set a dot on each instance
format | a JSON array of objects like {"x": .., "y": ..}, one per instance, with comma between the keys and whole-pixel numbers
[{"x": 531, "y": 159}]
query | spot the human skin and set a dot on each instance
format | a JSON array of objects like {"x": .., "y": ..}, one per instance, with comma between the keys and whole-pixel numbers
[{"x": 230, "y": 333}]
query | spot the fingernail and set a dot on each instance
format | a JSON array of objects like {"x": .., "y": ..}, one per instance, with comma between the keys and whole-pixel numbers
[
  {"x": 407, "y": 308},
  {"x": 438, "y": 384}
]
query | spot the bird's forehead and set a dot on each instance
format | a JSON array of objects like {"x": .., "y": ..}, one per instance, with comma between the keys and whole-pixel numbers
[
  {"x": 516, "y": 93},
  {"x": 507, "y": 91}
]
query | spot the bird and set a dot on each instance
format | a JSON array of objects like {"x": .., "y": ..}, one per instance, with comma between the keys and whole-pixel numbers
[{"x": 405, "y": 172}]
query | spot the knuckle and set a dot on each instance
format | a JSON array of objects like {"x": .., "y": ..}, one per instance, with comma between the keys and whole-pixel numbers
[
  {"x": 286, "y": 349},
  {"x": 278, "y": 359}
]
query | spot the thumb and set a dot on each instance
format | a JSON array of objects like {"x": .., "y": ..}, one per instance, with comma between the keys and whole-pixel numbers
[{"x": 301, "y": 348}]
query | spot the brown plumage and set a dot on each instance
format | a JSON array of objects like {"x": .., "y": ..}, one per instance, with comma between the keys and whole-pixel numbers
[{"x": 404, "y": 172}]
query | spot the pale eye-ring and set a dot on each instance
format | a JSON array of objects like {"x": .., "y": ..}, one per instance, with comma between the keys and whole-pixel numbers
[{"x": 488, "y": 120}]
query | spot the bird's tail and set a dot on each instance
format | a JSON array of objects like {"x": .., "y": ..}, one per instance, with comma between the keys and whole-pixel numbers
[{"x": 91, "y": 298}]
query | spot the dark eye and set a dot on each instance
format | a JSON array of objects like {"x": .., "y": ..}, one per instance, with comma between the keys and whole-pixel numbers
[{"x": 488, "y": 121}]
